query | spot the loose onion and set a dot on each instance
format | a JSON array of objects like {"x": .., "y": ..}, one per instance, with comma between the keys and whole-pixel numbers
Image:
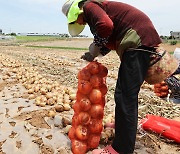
[
  {"x": 59, "y": 108},
  {"x": 52, "y": 114},
  {"x": 67, "y": 107},
  {"x": 49, "y": 95}
]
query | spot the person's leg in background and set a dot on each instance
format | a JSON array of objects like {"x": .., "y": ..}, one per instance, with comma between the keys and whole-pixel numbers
[{"x": 133, "y": 68}]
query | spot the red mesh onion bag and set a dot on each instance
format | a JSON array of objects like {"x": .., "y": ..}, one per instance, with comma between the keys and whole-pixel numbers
[
  {"x": 89, "y": 108},
  {"x": 161, "y": 89},
  {"x": 166, "y": 127}
]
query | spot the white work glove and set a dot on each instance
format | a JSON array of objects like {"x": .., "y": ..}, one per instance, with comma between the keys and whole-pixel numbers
[{"x": 94, "y": 51}]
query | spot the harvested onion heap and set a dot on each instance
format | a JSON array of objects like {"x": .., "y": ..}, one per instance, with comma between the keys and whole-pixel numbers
[
  {"x": 89, "y": 108},
  {"x": 45, "y": 91},
  {"x": 161, "y": 89}
]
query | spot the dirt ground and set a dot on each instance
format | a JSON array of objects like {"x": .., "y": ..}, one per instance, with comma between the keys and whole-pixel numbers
[{"x": 34, "y": 81}]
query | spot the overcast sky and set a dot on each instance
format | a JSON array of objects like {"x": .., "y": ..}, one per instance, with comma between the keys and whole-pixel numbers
[{"x": 43, "y": 16}]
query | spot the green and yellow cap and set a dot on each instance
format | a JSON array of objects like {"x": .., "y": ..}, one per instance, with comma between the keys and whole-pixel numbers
[{"x": 71, "y": 10}]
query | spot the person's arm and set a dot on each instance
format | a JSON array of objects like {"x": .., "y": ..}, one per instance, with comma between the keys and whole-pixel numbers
[
  {"x": 102, "y": 29},
  {"x": 101, "y": 24},
  {"x": 95, "y": 51}
]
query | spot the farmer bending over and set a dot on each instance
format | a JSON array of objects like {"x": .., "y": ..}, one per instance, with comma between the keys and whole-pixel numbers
[{"x": 117, "y": 26}]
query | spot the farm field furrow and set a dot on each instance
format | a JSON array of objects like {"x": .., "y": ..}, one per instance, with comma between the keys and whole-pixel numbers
[{"x": 38, "y": 89}]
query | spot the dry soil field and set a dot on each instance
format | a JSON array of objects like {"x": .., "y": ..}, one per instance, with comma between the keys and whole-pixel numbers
[{"x": 37, "y": 91}]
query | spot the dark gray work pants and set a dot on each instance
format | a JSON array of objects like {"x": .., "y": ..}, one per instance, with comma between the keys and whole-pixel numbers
[{"x": 132, "y": 71}]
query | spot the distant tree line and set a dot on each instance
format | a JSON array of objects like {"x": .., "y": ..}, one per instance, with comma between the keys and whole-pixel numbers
[
  {"x": 172, "y": 39},
  {"x": 169, "y": 39},
  {"x": 47, "y": 34}
]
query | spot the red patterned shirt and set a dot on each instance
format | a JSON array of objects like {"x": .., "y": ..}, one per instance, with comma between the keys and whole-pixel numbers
[{"x": 118, "y": 25}]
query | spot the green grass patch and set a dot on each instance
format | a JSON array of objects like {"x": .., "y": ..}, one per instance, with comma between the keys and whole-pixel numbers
[
  {"x": 171, "y": 52},
  {"x": 52, "y": 47},
  {"x": 172, "y": 40},
  {"x": 37, "y": 38}
]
